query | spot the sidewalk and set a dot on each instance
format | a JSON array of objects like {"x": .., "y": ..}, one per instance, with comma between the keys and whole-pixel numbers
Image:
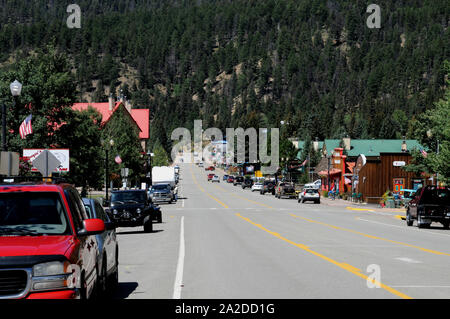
[{"x": 347, "y": 203}]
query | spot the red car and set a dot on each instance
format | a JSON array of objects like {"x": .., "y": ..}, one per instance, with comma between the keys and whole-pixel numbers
[
  {"x": 211, "y": 168},
  {"x": 48, "y": 247},
  {"x": 230, "y": 179},
  {"x": 210, "y": 176}
]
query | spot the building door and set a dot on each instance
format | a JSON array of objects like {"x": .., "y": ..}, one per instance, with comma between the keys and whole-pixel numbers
[{"x": 399, "y": 185}]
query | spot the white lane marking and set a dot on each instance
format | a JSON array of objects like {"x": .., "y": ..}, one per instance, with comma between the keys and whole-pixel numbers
[
  {"x": 409, "y": 260},
  {"x": 403, "y": 227},
  {"x": 179, "y": 274}
]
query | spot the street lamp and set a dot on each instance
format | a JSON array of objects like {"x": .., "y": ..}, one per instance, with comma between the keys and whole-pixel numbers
[
  {"x": 111, "y": 143},
  {"x": 16, "y": 89},
  {"x": 149, "y": 173}
]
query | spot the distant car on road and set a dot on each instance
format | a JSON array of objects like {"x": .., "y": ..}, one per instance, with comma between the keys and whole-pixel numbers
[
  {"x": 257, "y": 186},
  {"x": 210, "y": 168},
  {"x": 131, "y": 208},
  {"x": 247, "y": 183},
  {"x": 215, "y": 179},
  {"x": 309, "y": 194},
  {"x": 210, "y": 176},
  {"x": 161, "y": 193},
  {"x": 316, "y": 184},
  {"x": 108, "y": 247},
  {"x": 268, "y": 187},
  {"x": 225, "y": 177},
  {"x": 285, "y": 189},
  {"x": 430, "y": 204},
  {"x": 238, "y": 180},
  {"x": 230, "y": 179}
]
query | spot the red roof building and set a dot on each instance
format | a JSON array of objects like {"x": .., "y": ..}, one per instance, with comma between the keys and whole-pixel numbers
[{"x": 140, "y": 116}]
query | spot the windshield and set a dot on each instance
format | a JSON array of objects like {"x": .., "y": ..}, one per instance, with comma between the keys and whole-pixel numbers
[
  {"x": 32, "y": 213},
  {"x": 160, "y": 187},
  {"x": 437, "y": 196},
  {"x": 139, "y": 197}
]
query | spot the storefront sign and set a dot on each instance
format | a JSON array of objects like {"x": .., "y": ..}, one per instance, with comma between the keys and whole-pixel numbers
[{"x": 399, "y": 163}]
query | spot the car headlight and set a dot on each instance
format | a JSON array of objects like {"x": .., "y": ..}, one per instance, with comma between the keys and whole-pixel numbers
[
  {"x": 51, "y": 275},
  {"x": 138, "y": 210},
  {"x": 115, "y": 211}
]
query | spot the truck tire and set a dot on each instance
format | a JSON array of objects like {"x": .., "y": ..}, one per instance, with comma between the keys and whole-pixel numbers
[
  {"x": 148, "y": 226},
  {"x": 409, "y": 220},
  {"x": 446, "y": 224}
]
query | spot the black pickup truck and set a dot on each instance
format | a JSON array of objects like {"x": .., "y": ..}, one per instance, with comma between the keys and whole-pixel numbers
[
  {"x": 130, "y": 208},
  {"x": 429, "y": 204}
]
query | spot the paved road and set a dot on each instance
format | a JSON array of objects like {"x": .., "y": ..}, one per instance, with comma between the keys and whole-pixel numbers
[{"x": 219, "y": 241}]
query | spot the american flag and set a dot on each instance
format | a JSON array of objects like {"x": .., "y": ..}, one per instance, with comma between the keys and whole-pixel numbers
[
  {"x": 118, "y": 159},
  {"x": 25, "y": 128},
  {"x": 424, "y": 153}
]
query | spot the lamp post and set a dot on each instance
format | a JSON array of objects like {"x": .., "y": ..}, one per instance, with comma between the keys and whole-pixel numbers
[
  {"x": 111, "y": 143},
  {"x": 16, "y": 89},
  {"x": 149, "y": 165}
]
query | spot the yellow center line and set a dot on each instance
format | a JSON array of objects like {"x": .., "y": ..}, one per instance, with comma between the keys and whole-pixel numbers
[
  {"x": 345, "y": 266},
  {"x": 371, "y": 236},
  {"x": 248, "y": 200},
  {"x": 203, "y": 190},
  {"x": 360, "y": 209}
]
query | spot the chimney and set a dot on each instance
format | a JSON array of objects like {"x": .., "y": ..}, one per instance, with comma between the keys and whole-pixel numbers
[
  {"x": 347, "y": 143},
  {"x": 316, "y": 144},
  {"x": 404, "y": 146},
  {"x": 111, "y": 102}
]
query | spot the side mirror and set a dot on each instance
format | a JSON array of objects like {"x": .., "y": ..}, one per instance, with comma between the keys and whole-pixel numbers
[{"x": 93, "y": 226}]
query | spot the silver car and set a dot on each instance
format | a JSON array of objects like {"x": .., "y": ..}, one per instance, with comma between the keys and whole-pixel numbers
[
  {"x": 215, "y": 179},
  {"x": 309, "y": 194}
]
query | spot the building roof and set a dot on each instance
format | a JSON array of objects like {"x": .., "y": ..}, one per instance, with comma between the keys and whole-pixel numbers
[
  {"x": 140, "y": 116},
  {"x": 375, "y": 147},
  {"x": 330, "y": 145}
]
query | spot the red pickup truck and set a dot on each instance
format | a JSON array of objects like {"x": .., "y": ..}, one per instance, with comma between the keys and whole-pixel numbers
[{"x": 48, "y": 248}]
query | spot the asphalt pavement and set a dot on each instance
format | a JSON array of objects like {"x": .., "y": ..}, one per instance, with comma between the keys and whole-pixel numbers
[{"x": 220, "y": 241}]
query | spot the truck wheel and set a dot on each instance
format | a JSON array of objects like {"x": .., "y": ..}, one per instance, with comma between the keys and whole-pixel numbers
[
  {"x": 446, "y": 224},
  {"x": 148, "y": 226},
  {"x": 409, "y": 221}
]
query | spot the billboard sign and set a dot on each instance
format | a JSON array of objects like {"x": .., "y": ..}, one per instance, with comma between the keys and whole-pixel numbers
[{"x": 61, "y": 154}]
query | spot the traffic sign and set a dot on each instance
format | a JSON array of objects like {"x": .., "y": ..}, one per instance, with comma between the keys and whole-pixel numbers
[{"x": 46, "y": 163}]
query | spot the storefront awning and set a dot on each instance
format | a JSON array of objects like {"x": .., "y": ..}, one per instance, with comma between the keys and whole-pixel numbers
[{"x": 333, "y": 171}]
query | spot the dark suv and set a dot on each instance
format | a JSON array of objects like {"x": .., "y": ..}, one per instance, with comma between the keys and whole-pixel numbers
[
  {"x": 248, "y": 182},
  {"x": 429, "y": 204},
  {"x": 48, "y": 248},
  {"x": 238, "y": 180},
  {"x": 131, "y": 208},
  {"x": 268, "y": 187}
]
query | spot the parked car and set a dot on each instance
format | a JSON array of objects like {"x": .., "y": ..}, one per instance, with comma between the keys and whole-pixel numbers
[
  {"x": 268, "y": 187},
  {"x": 210, "y": 176},
  {"x": 247, "y": 183},
  {"x": 108, "y": 247},
  {"x": 45, "y": 234},
  {"x": 200, "y": 164},
  {"x": 316, "y": 184},
  {"x": 309, "y": 194},
  {"x": 257, "y": 187},
  {"x": 230, "y": 179},
  {"x": 215, "y": 179},
  {"x": 210, "y": 168},
  {"x": 238, "y": 180},
  {"x": 430, "y": 204},
  {"x": 131, "y": 208},
  {"x": 162, "y": 193},
  {"x": 225, "y": 178},
  {"x": 285, "y": 189}
]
